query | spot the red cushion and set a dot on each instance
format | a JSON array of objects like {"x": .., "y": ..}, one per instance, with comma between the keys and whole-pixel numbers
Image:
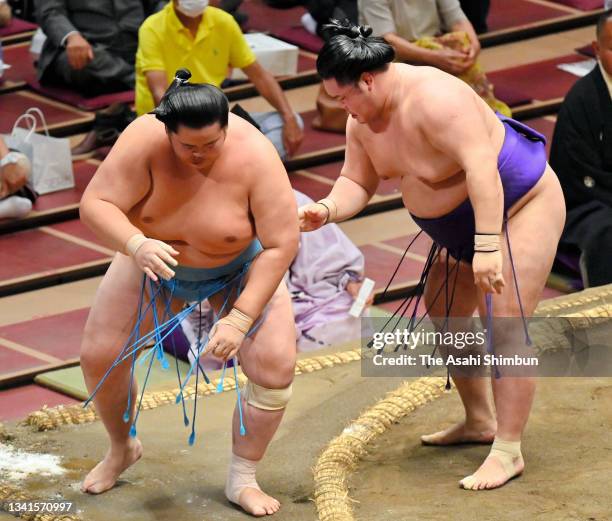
[
  {"x": 583, "y": 5},
  {"x": 19, "y": 58},
  {"x": 76, "y": 100},
  {"x": 16, "y": 26},
  {"x": 508, "y": 14},
  {"x": 264, "y": 18},
  {"x": 587, "y": 50},
  {"x": 13, "y": 104},
  {"x": 318, "y": 140},
  {"x": 542, "y": 80},
  {"x": 300, "y": 37},
  {"x": 512, "y": 97}
]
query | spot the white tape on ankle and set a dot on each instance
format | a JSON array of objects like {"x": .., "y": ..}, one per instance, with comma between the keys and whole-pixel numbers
[{"x": 241, "y": 475}]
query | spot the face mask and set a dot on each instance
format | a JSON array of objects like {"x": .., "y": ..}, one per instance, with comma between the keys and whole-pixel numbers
[{"x": 192, "y": 8}]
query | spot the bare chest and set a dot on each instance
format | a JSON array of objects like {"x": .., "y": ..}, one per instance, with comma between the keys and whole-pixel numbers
[
  {"x": 202, "y": 212},
  {"x": 403, "y": 152}
]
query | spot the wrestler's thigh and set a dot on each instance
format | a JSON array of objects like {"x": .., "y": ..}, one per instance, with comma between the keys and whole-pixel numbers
[
  {"x": 268, "y": 357},
  {"x": 462, "y": 296},
  {"x": 114, "y": 312},
  {"x": 534, "y": 233}
]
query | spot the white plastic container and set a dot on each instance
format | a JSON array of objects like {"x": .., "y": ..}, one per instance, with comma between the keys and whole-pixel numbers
[{"x": 278, "y": 57}]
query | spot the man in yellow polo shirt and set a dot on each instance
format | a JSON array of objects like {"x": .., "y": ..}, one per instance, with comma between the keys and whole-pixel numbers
[{"x": 207, "y": 41}]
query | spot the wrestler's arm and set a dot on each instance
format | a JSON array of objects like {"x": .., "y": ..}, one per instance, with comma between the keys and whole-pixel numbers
[
  {"x": 453, "y": 123},
  {"x": 120, "y": 182},
  {"x": 274, "y": 212},
  {"x": 358, "y": 181}
]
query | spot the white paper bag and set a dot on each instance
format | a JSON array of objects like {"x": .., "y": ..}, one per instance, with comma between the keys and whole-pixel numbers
[{"x": 52, "y": 161}]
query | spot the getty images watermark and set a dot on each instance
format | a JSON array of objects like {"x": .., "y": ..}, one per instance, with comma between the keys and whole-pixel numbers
[
  {"x": 508, "y": 346},
  {"x": 457, "y": 343}
]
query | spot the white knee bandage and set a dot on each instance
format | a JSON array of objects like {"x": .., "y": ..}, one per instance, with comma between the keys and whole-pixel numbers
[
  {"x": 241, "y": 475},
  {"x": 267, "y": 399}
]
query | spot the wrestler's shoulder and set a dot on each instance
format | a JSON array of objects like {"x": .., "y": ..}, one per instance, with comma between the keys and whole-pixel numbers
[
  {"x": 245, "y": 142},
  {"x": 436, "y": 86},
  {"x": 437, "y": 95},
  {"x": 355, "y": 130},
  {"x": 146, "y": 130}
]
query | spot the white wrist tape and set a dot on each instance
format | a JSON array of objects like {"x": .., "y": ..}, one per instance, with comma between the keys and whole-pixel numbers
[
  {"x": 332, "y": 209},
  {"x": 237, "y": 319},
  {"x": 487, "y": 243},
  {"x": 135, "y": 242}
]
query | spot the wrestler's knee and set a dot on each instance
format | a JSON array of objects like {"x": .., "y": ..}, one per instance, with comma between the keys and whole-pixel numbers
[
  {"x": 267, "y": 398},
  {"x": 92, "y": 355},
  {"x": 98, "y": 349},
  {"x": 275, "y": 356},
  {"x": 275, "y": 373}
]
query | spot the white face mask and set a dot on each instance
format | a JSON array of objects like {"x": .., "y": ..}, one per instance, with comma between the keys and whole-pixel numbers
[{"x": 192, "y": 8}]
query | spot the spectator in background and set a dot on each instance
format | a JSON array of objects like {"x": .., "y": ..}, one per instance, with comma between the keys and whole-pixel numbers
[
  {"x": 16, "y": 194},
  {"x": 5, "y": 13},
  {"x": 91, "y": 48},
  {"x": 321, "y": 12},
  {"x": 208, "y": 41},
  {"x": 477, "y": 12},
  {"x": 324, "y": 279},
  {"x": 581, "y": 155},
  {"x": 232, "y": 7},
  {"x": 431, "y": 32}
]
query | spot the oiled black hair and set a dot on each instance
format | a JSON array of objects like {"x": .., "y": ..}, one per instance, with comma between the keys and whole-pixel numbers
[
  {"x": 602, "y": 21},
  {"x": 351, "y": 50},
  {"x": 194, "y": 105}
]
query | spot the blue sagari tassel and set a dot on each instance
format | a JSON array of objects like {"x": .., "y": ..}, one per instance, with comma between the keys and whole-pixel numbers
[{"x": 136, "y": 343}]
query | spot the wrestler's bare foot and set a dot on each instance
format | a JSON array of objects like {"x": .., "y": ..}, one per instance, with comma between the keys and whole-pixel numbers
[
  {"x": 104, "y": 475},
  {"x": 493, "y": 473},
  {"x": 474, "y": 432},
  {"x": 257, "y": 503}
]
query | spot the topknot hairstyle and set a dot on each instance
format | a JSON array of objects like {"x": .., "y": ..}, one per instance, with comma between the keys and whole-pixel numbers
[
  {"x": 194, "y": 105},
  {"x": 350, "y": 50}
]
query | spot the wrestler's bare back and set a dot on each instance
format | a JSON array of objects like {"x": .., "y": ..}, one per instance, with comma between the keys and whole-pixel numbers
[
  {"x": 203, "y": 212},
  {"x": 432, "y": 182}
]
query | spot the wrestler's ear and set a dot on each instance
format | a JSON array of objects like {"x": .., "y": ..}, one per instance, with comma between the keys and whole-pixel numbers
[{"x": 368, "y": 79}]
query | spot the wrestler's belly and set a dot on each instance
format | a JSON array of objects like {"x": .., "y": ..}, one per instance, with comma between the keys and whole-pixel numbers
[
  {"x": 197, "y": 258},
  {"x": 430, "y": 202},
  {"x": 433, "y": 200}
]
